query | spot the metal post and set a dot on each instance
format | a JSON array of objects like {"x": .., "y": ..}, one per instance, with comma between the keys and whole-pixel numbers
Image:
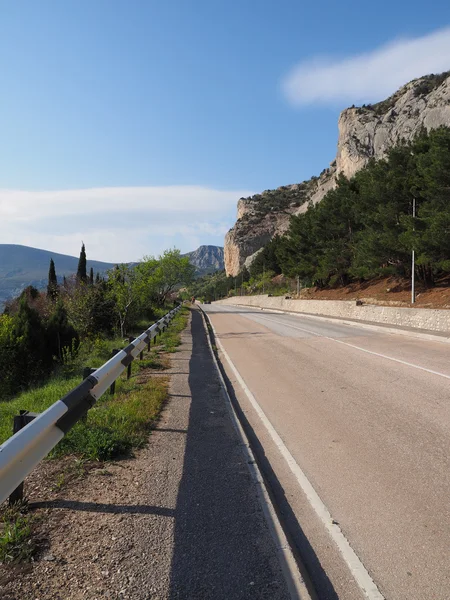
[
  {"x": 87, "y": 371},
  {"x": 112, "y": 387},
  {"x": 130, "y": 339},
  {"x": 413, "y": 291},
  {"x": 19, "y": 423},
  {"x": 264, "y": 275}
]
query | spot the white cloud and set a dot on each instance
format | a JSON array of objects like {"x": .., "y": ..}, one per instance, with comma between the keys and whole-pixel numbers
[
  {"x": 367, "y": 77},
  {"x": 117, "y": 224}
]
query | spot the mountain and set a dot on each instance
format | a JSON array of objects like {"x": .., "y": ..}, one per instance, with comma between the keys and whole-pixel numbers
[
  {"x": 365, "y": 132},
  {"x": 206, "y": 259},
  {"x": 21, "y": 266}
]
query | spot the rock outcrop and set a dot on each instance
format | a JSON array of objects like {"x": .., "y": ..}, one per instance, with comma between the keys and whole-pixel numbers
[
  {"x": 206, "y": 259},
  {"x": 364, "y": 132}
]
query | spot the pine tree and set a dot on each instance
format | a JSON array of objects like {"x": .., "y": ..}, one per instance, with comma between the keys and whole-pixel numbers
[
  {"x": 91, "y": 276},
  {"x": 52, "y": 286},
  {"x": 81, "y": 272}
]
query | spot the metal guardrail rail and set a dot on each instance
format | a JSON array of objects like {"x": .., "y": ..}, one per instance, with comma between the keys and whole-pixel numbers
[{"x": 20, "y": 454}]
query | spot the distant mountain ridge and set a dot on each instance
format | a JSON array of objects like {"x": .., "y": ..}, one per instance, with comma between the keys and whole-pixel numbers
[
  {"x": 207, "y": 259},
  {"x": 21, "y": 266}
]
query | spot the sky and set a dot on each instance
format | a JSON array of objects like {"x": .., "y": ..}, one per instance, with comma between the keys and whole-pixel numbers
[{"x": 136, "y": 125}]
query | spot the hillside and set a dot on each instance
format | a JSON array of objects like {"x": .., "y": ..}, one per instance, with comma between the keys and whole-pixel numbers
[
  {"x": 206, "y": 259},
  {"x": 364, "y": 132},
  {"x": 21, "y": 266}
]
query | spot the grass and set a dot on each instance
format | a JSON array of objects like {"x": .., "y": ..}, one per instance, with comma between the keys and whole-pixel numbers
[
  {"x": 117, "y": 424},
  {"x": 16, "y": 542}
]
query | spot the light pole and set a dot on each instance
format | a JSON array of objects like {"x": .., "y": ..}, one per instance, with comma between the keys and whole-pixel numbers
[{"x": 413, "y": 291}]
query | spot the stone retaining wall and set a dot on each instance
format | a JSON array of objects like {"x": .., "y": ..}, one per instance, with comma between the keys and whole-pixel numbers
[{"x": 420, "y": 318}]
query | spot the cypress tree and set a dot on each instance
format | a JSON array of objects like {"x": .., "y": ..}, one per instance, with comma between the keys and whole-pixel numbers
[
  {"x": 91, "y": 276},
  {"x": 81, "y": 272},
  {"x": 97, "y": 278},
  {"x": 52, "y": 286},
  {"x": 64, "y": 281}
]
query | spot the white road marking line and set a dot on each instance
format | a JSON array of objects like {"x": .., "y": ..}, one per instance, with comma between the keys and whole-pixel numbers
[
  {"x": 403, "y": 362},
  {"x": 357, "y": 569}
]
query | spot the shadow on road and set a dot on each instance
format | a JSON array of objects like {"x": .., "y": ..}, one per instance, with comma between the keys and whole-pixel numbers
[{"x": 222, "y": 547}]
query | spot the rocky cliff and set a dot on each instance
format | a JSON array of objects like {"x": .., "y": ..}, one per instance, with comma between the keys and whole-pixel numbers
[
  {"x": 364, "y": 132},
  {"x": 206, "y": 259}
]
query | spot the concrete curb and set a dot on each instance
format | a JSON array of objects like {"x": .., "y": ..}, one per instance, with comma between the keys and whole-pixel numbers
[{"x": 431, "y": 337}]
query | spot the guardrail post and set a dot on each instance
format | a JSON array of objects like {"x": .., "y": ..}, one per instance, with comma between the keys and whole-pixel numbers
[
  {"x": 112, "y": 387},
  {"x": 19, "y": 423},
  {"x": 130, "y": 339},
  {"x": 86, "y": 372}
]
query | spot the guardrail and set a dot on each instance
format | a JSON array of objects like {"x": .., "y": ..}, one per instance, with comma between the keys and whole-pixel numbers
[{"x": 20, "y": 454}]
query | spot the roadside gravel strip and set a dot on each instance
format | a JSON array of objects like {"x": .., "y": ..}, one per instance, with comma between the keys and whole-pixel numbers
[{"x": 180, "y": 521}]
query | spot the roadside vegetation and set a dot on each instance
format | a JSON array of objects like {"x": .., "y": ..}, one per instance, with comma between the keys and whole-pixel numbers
[
  {"x": 46, "y": 340},
  {"x": 47, "y": 333},
  {"x": 115, "y": 427}
]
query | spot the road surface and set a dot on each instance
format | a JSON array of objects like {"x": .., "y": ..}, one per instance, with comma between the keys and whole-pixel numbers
[{"x": 366, "y": 418}]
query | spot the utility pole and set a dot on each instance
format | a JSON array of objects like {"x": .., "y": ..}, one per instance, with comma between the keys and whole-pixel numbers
[
  {"x": 264, "y": 275},
  {"x": 413, "y": 291}
]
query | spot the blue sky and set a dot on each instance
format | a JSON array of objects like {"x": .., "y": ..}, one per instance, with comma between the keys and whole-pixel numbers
[{"x": 136, "y": 125}]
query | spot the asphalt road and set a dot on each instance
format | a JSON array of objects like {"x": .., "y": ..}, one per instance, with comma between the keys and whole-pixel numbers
[{"x": 366, "y": 416}]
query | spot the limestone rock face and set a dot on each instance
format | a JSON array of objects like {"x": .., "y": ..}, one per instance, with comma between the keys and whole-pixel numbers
[
  {"x": 370, "y": 131},
  {"x": 364, "y": 133},
  {"x": 206, "y": 259}
]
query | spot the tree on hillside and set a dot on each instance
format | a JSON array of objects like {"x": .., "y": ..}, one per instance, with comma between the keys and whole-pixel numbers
[
  {"x": 97, "y": 278},
  {"x": 159, "y": 277},
  {"x": 52, "y": 286},
  {"x": 91, "y": 276},
  {"x": 82, "y": 265},
  {"x": 123, "y": 292},
  {"x": 364, "y": 228},
  {"x": 61, "y": 335},
  {"x": 33, "y": 360},
  {"x": 78, "y": 303}
]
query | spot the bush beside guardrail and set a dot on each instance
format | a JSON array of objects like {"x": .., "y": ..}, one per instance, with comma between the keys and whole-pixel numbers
[{"x": 20, "y": 454}]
